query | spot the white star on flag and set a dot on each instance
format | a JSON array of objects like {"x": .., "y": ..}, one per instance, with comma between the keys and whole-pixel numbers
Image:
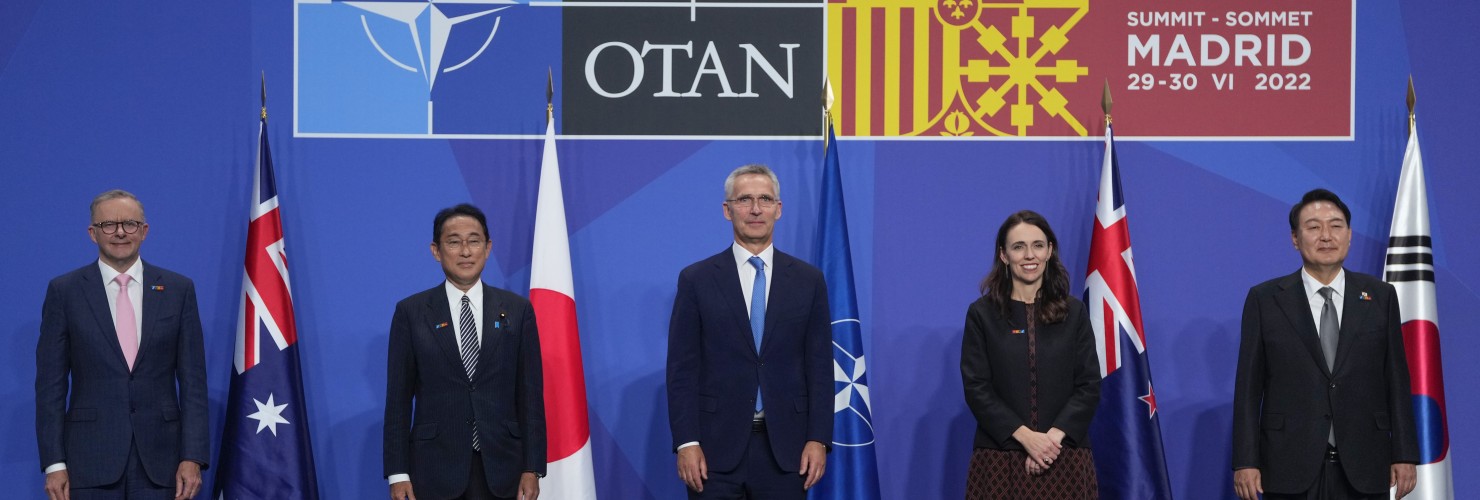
[
  {"x": 269, "y": 415},
  {"x": 843, "y": 400}
]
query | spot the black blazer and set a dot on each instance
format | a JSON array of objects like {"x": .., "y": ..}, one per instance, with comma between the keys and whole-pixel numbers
[
  {"x": 713, "y": 367},
  {"x": 160, "y": 406},
  {"x": 994, "y": 373},
  {"x": 1285, "y": 398},
  {"x": 506, "y": 399}
]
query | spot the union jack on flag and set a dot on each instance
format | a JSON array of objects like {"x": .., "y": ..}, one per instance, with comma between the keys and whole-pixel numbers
[
  {"x": 266, "y": 433},
  {"x": 1126, "y": 432}
]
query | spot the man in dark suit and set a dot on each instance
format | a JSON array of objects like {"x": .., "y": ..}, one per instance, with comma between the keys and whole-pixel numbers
[
  {"x": 465, "y": 358},
  {"x": 1322, "y": 407},
  {"x": 750, "y": 383},
  {"x": 126, "y": 336}
]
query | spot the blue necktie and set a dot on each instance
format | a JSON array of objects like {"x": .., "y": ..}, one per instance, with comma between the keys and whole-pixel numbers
[{"x": 758, "y": 313}]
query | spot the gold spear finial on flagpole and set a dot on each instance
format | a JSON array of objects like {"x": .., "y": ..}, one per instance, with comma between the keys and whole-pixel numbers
[
  {"x": 264, "y": 96},
  {"x": 549, "y": 94},
  {"x": 827, "y": 103},
  {"x": 1412, "y": 99},
  {"x": 1106, "y": 103}
]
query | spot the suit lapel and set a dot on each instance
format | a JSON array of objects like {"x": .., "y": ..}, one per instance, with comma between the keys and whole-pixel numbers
[
  {"x": 495, "y": 323},
  {"x": 153, "y": 303},
  {"x": 780, "y": 295},
  {"x": 727, "y": 281},
  {"x": 445, "y": 337},
  {"x": 1354, "y": 313},
  {"x": 1296, "y": 306},
  {"x": 97, "y": 300}
]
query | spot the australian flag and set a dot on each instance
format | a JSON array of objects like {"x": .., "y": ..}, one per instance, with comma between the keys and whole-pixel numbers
[
  {"x": 852, "y": 470},
  {"x": 265, "y": 450},
  {"x": 1126, "y": 431}
]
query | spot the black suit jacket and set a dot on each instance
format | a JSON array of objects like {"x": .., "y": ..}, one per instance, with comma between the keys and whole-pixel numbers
[
  {"x": 425, "y": 377},
  {"x": 160, "y": 406},
  {"x": 1285, "y": 399},
  {"x": 713, "y": 367},
  {"x": 994, "y": 373}
]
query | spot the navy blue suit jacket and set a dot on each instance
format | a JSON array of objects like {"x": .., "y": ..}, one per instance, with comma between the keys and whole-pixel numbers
[
  {"x": 1285, "y": 399},
  {"x": 160, "y": 406},
  {"x": 431, "y": 407},
  {"x": 714, "y": 368}
]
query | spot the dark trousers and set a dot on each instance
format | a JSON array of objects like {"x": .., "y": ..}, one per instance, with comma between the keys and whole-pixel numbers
[
  {"x": 134, "y": 485},
  {"x": 757, "y": 477},
  {"x": 478, "y": 483},
  {"x": 1331, "y": 484}
]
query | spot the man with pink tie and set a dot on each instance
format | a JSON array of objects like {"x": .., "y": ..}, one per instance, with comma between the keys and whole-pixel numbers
[{"x": 120, "y": 371}]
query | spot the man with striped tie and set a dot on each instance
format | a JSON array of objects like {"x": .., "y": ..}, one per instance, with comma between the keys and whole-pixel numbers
[{"x": 464, "y": 398}]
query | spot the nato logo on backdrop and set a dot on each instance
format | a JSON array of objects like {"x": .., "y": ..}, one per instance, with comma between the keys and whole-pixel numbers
[
  {"x": 422, "y": 68},
  {"x": 477, "y": 68}
]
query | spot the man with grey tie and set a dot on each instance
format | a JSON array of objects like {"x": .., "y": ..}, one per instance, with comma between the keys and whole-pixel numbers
[
  {"x": 1322, "y": 407},
  {"x": 464, "y": 398}
]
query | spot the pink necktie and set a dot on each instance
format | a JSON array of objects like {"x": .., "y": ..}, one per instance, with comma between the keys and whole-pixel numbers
[{"x": 123, "y": 313}]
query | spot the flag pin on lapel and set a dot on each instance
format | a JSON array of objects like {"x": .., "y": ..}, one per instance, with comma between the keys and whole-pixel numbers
[
  {"x": 157, "y": 288},
  {"x": 440, "y": 325},
  {"x": 1364, "y": 296},
  {"x": 1017, "y": 332}
]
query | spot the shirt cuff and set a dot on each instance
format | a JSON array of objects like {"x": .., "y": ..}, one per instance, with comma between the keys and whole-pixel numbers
[
  {"x": 688, "y": 444},
  {"x": 398, "y": 478},
  {"x": 56, "y": 467}
]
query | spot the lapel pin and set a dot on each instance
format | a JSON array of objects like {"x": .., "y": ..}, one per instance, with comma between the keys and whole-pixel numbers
[
  {"x": 1017, "y": 332},
  {"x": 440, "y": 325},
  {"x": 157, "y": 288},
  {"x": 502, "y": 316},
  {"x": 1364, "y": 296}
]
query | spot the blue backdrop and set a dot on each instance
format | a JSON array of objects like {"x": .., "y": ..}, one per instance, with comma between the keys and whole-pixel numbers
[{"x": 161, "y": 99}]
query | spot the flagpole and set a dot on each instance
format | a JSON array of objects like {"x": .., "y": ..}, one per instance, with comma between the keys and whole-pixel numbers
[
  {"x": 827, "y": 102},
  {"x": 1412, "y": 99},
  {"x": 1106, "y": 103}
]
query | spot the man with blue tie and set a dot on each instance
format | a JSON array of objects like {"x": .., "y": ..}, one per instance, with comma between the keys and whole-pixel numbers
[
  {"x": 464, "y": 398},
  {"x": 750, "y": 359},
  {"x": 120, "y": 371}
]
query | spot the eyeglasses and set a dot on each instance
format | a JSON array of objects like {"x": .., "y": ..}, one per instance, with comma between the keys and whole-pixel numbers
[
  {"x": 748, "y": 201},
  {"x": 111, "y": 227},
  {"x": 474, "y": 244}
]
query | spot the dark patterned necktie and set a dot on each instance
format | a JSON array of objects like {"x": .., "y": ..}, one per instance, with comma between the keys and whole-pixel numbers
[{"x": 469, "y": 348}]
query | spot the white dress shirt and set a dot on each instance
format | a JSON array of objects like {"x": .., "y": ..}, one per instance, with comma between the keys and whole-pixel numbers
[
  {"x": 747, "y": 271},
  {"x": 454, "y": 301},
  {"x": 135, "y": 297},
  {"x": 1313, "y": 294}
]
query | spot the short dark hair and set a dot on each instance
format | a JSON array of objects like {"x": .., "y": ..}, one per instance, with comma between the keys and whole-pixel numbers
[
  {"x": 1318, "y": 195},
  {"x": 1053, "y": 295},
  {"x": 454, "y": 211}
]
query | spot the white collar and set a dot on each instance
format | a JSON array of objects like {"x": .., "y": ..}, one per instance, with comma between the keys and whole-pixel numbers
[
  {"x": 135, "y": 272},
  {"x": 742, "y": 256}
]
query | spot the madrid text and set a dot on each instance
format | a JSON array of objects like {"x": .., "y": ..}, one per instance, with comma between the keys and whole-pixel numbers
[{"x": 1165, "y": 60}]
